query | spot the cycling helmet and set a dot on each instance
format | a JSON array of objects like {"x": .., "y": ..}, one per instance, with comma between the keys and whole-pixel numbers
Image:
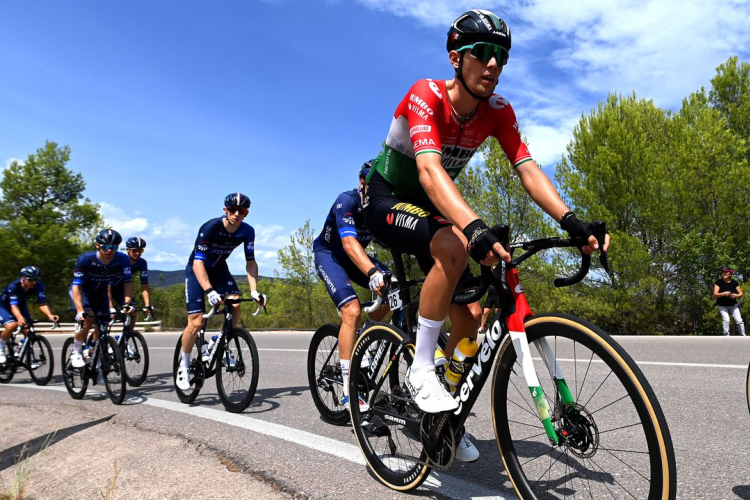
[
  {"x": 365, "y": 170},
  {"x": 108, "y": 237},
  {"x": 135, "y": 242},
  {"x": 237, "y": 200},
  {"x": 31, "y": 272},
  {"x": 477, "y": 26}
]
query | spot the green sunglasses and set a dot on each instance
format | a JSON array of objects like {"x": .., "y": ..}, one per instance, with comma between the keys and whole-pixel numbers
[{"x": 486, "y": 51}]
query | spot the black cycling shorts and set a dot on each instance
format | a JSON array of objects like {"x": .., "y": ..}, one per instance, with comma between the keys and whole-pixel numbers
[{"x": 401, "y": 225}]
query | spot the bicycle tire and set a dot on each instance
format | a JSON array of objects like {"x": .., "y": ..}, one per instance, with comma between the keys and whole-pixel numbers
[
  {"x": 136, "y": 359},
  {"x": 8, "y": 369},
  {"x": 40, "y": 353},
  {"x": 237, "y": 370},
  {"x": 393, "y": 451},
  {"x": 324, "y": 375},
  {"x": 747, "y": 388},
  {"x": 76, "y": 379},
  {"x": 188, "y": 396},
  {"x": 534, "y": 466},
  {"x": 113, "y": 370}
]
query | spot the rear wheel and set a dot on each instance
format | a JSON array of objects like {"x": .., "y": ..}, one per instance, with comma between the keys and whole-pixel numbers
[
  {"x": 389, "y": 431},
  {"x": 324, "y": 375},
  {"x": 8, "y": 369},
  {"x": 41, "y": 361},
  {"x": 76, "y": 379},
  {"x": 196, "y": 373},
  {"x": 613, "y": 441},
  {"x": 113, "y": 370},
  {"x": 135, "y": 357},
  {"x": 237, "y": 370},
  {"x": 747, "y": 387}
]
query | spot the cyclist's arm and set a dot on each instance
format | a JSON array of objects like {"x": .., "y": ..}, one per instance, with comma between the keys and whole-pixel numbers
[
  {"x": 199, "y": 268},
  {"x": 45, "y": 309},
  {"x": 16, "y": 311},
  {"x": 78, "y": 298},
  {"x": 252, "y": 275},
  {"x": 109, "y": 297},
  {"x": 356, "y": 253},
  {"x": 128, "y": 292},
  {"x": 146, "y": 293},
  {"x": 442, "y": 191},
  {"x": 544, "y": 194}
]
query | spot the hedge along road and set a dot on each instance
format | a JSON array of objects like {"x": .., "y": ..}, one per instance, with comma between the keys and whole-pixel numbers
[{"x": 280, "y": 438}]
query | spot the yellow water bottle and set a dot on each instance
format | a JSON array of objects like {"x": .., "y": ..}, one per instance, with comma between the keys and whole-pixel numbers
[{"x": 465, "y": 349}]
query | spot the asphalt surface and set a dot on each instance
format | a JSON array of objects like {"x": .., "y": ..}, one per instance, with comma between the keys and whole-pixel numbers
[{"x": 161, "y": 448}]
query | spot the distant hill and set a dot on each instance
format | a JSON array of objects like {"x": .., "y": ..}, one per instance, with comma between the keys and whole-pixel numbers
[{"x": 158, "y": 278}]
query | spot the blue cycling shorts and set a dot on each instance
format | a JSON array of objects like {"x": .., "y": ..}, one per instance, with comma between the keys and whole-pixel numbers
[
  {"x": 337, "y": 271},
  {"x": 7, "y": 317},
  {"x": 96, "y": 301},
  {"x": 221, "y": 280}
]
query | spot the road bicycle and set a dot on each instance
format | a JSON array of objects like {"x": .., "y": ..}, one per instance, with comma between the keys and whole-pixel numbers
[
  {"x": 232, "y": 357},
  {"x": 33, "y": 353},
  {"x": 103, "y": 358},
  {"x": 586, "y": 424},
  {"x": 134, "y": 350}
]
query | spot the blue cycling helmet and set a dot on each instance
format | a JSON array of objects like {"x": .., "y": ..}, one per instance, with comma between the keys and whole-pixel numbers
[
  {"x": 31, "y": 272},
  {"x": 237, "y": 200},
  {"x": 108, "y": 237},
  {"x": 365, "y": 170},
  {"x": 135, "y": 242}
]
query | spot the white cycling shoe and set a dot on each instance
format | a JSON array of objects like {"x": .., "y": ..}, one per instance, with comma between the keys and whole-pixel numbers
[
  {"x": 182, "y": 381},
  {"x": 3, "y": 358},
  {"x": 466, "y": 451},
  {"x": 76, "y": 360},
  {"x": 428, "y": 392}
]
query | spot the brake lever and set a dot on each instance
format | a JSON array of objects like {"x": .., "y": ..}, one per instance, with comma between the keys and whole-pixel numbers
[{"x": 599, "y": 230}]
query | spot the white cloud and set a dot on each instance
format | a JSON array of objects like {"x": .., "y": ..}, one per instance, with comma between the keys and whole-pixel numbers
[
  {"x": 118, "y": 220},
  {"x": 10, "y": 161},
  {"x": 439, "y": 13}
]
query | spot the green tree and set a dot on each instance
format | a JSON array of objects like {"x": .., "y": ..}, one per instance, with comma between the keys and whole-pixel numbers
[
  {"x": 44, "y": 218},
  {"x": 298, "y": 262}
]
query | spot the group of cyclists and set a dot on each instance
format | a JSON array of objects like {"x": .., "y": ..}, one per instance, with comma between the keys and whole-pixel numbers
[{"x": 406, "y": 199}]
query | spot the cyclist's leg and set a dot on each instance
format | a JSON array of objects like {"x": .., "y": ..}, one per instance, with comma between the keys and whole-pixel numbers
[
  {"x": 196, "y": 307},
  {"x": 333, "y": 273},
  {"x": 724, "y": 311},
  {"x": 9, "y": 324},
  {"x": 421, "y": 231},
  {"x": 80, "y": 337},
  {"x": 225, "y": 285},
  {"x": 464, "y": 321}
]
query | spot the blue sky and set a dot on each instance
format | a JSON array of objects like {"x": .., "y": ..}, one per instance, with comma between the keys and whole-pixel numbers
[{"x": 168, "y": 106}]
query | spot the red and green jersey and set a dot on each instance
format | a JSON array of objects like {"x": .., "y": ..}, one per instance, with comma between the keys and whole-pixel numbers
[{"x": 425, "y": 122}]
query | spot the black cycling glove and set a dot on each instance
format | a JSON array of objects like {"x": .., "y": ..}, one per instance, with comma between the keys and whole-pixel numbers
[
  {"x": 575, "y": 227},
  {"x": 480, "y": 239}
]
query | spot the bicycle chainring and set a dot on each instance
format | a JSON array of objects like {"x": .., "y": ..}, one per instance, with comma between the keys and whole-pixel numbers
[{"x": 438, "y": 439}]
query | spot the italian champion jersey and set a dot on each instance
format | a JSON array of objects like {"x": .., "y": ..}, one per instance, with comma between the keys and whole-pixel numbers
[{"x": 425, "y": 122}]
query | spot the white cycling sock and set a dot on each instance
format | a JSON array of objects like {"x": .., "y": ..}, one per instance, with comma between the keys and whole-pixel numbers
[
  {"x": 345, "y": 364},
  {"x": 428, "y": 331},
  {"x": 185, "y": 363},
  {"x": 77, "y": 346}
]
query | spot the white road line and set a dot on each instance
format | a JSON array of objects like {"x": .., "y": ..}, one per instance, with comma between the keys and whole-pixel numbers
[{"x": 445, "y": 484}]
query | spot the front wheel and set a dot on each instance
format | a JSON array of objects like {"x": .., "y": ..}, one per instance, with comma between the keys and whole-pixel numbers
[
  {"x": 196, "y": 372},
  {"x": 8, "y": 369},
  {"x": 76, "y": 379},
  {"x": 388, "y": 432},
  {"x": 113, "y": 370},
  {"x": 613, "y": 439},
  {"x": 747, "y": 388},
  {"x": 41, "y": 361},
  {"x": 237, "y": 370},
  {"x": 135, "y": 355},
  {"x": 324, "y": 375}
]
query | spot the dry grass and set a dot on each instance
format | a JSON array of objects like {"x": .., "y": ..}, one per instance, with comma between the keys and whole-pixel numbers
[
  {"x": 24, "y": 471},
  {"x": 109, "y": 493}
]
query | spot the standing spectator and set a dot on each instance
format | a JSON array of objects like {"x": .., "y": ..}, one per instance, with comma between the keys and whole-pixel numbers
[{"x": 727, "y": 291}]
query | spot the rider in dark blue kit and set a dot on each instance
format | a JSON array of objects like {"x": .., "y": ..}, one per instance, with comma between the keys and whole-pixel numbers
[
  {"x": 94, "y": 271},
  {"x": 134, "y": 247},
  {"x": 207, "y": 274},
  {"x": 339, "y": 259},
  {"x": 13, "y": 309}
]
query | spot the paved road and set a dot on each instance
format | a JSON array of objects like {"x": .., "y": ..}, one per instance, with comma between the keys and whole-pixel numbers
[{"x": 281, "y": 440}]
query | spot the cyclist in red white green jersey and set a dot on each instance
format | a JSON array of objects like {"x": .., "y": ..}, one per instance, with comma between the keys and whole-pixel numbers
[{"x": 412, "y": 204}]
